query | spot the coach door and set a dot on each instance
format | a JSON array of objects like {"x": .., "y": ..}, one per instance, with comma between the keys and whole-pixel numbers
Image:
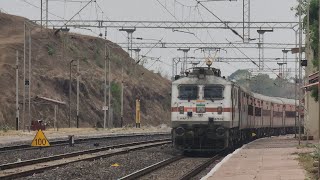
[
  {"x": 272, "y": 115},
  {"x": 240, "y": 107}
]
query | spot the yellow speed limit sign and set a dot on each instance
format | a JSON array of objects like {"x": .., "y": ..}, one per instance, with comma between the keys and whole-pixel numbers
[{"x": 40, "y": 140}]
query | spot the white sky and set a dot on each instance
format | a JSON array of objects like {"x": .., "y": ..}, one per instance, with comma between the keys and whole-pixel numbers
[{"x": 261, "y": 10}]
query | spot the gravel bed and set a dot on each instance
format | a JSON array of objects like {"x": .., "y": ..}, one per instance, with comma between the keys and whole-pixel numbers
[
  {"x": 21, "y": 155},
  {"x": 103, "y": 169},
  {"x": 18, "y": 143},
  {"x": 175, "y": 170}
]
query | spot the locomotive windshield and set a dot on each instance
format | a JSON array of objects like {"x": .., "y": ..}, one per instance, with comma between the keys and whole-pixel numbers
[
  {"x": 188, "y": 92},
  {"x": 213, "y": 92}
]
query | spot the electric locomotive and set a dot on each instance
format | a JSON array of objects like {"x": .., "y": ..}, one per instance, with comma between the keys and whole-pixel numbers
[{"x": 211, "y": 113}]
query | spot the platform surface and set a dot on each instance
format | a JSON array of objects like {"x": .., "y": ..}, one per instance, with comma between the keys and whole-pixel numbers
[{"x": 272, "y": 158}]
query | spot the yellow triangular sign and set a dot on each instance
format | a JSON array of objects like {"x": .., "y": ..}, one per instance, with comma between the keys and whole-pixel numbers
[{"x": 40, "y": 140}]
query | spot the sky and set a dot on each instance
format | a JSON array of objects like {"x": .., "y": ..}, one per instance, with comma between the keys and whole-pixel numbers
[{"x": 173, "y": 10}]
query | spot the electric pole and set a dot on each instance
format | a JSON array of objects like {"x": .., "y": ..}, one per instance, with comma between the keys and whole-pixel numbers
[
  {"x": 41, "y": 9},
  {"x": 129, "y": 31},
  {"x": 285, "y": 61},
  {"x": 122, "y": 89},
  {"x": 78, "y": 79},
  {"x": 261, "y": 33},
  {"x": 17, "y": 90},
  {"x": 109, "y": 89},
  {"x": 319, "y": 84},
  {"x": 184, "y": 63},
  {"x": 295, "y": 86},
  {"x": 47, "y": 12},
  {"x": 70, "y": 88},
  {"x": 24, "y": 78},
  {"x": 319, "y": 72},
  {"x": 105, "y": 87},
  {"x": 246, "y": 21},
  {"x": 29, "y": 87},
  {"x": 300, "y": 68}
]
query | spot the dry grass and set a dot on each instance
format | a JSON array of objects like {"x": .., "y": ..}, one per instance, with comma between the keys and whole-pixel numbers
[
  {"x": 50, "y": 78},
  {"x": 307, "y": 160}
]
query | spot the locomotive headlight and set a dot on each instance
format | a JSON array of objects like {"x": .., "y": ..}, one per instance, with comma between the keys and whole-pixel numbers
[
  {"x": 180, "y": 131},
  {"x": 220, "y": 131},
  {"x": 220, "y": 110},
  {"x": 181, "y": 109}
]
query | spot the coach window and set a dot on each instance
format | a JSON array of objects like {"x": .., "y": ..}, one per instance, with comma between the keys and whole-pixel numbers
[
  {"x": 188, "y": 92},
  {"x": 213, "y": 92}
]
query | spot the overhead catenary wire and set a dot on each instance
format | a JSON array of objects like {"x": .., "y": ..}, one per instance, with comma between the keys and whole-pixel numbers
[
  {"x": 178, "y": 20},
  {"x": 150, "y": 50},
  {"x": 78, "y": 12},
  {"x": 105, "y": 16},
  {"x": 226, "y": 24},
  {"x": 253, "y": 60},
  {"x": 203, "y": 21},
  {"x": 31, "y": 4}
]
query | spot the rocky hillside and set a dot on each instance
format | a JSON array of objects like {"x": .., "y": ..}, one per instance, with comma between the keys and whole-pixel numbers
[{"x": 51, "y": 54}]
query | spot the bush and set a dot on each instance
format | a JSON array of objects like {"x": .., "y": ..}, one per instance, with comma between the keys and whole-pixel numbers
[
  {"x": 50, "y": 49},
  {"x": 5, "y": 128}
]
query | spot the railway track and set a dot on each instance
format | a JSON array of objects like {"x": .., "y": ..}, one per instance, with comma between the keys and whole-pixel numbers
[
  {"x": 148, "y": 171},
  {"x": 29, "y": 167},
  {"x": 65, "y": 142}
]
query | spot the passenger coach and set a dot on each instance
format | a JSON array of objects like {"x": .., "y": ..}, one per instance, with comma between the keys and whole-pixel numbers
[{"x": 210, "y": 113}]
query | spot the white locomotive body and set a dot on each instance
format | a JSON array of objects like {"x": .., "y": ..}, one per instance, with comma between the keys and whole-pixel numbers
[{"x": 210, "y": 113}]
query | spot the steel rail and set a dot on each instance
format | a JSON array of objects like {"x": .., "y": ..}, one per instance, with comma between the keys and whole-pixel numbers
[
  {"x": 72, "y": 154},
  {"x": 76, "y": 141},
  {"x": 25, "y": 168},
  {"x": 161, "y": 164},
  {"x": 201, "y": 167},
  {"x": 151, "y": 168}
]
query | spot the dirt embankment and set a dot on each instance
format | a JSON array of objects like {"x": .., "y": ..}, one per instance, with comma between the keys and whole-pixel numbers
[{"x": 51, "y": 55}]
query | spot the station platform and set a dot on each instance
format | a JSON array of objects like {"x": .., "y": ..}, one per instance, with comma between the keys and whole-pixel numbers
[
  {"x": 22, "y": 137},
  {"x": 263, "y": 159}
]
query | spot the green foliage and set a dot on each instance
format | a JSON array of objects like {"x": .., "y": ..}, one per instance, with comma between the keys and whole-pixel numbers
[
  {"x": 117, "y": 59},
  {"x": 314, "y": 38},
  {"x": 307, "y": 160},
  {"x": 50, "y": 50},
  {"x": 5, "y": 128},
  {"x": 240, "y": 74},
  {"x": 314, "y": 92},
  {"x": 263, "y": 84}
]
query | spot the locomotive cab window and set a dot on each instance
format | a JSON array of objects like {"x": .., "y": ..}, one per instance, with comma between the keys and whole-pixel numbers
[
  {"x": 213, "y": 92},
  {"x": 188, "y": 92}
]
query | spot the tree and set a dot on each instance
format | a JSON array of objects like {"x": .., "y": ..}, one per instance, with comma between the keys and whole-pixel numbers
[
  {"x": 314, "y": 38},
  {"x": 263, "y": 84},
  {"x": 240, "y": 75}
]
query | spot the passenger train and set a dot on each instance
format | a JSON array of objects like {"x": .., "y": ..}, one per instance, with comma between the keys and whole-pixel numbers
[{"x": 211, "y": 113}]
